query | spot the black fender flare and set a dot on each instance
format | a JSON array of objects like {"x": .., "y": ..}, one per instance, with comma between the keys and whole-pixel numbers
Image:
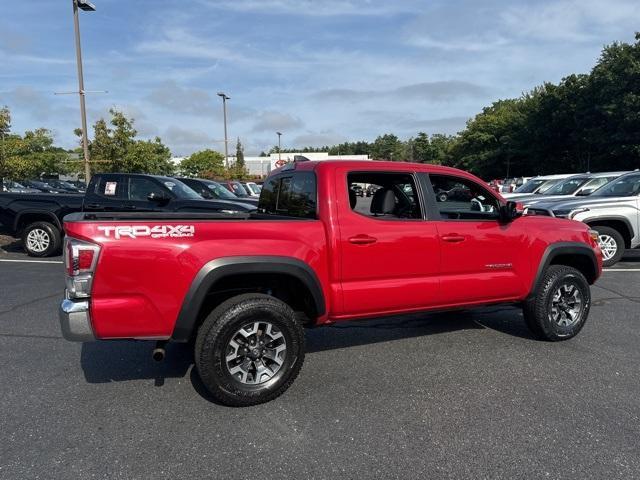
[
  {"x": 613, "y": 218},
  {"x": 47, "y": 216},
  {"x": 217, "y": 269},
  {"x": 561, "y": 248}
]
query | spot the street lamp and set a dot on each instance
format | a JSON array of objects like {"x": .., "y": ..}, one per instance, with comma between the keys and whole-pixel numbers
[
  {"x": 87, "y": 7},
  {"x": 224, "y": 112},
  {"x": 279, "y": 156}
]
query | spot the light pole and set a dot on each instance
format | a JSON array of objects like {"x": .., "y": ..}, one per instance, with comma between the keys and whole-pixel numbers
[
  {"x": 87, "y": 7},
  {"x": 224, "y": 112},
  {"x": 279, "y": 155}
]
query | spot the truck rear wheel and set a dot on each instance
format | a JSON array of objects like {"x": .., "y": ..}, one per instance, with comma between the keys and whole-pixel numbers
[
  {"x": 249, "y": 350},
  {"x": 561, "y": 305},
  {"x": 41, "y": 239}
]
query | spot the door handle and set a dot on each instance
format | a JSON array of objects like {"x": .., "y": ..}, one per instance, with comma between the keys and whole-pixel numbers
[
  {"x": 93, "y": 205},
  {"x": 128, "y": 207},
  {"x": 453, "y": 238},
  {"x": 363, "y": 240}
]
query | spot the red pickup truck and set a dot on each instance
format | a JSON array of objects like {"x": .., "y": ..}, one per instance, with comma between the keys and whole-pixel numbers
[{"x": 315, "y": 253}]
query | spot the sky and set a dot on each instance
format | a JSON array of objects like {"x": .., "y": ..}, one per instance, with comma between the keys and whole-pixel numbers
[{"x": 320, "y": 72}]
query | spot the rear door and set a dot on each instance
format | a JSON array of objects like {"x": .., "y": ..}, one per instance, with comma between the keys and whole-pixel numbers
[
  {"x": 389, "y": 254},
  {"x": 483, "y": 259}
]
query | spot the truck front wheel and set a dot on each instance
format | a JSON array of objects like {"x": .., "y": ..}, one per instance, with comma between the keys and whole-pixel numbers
[
  {"x": 249, "y": 350},
  {"x": 611, "y": 244},
  {"x": 561, "y": 305},
  {"x": 41, "y": 239}
]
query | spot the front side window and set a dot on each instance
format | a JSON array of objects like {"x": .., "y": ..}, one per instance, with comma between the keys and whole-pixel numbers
[
  {"x": 140, "y": 188},
  {"x": 290, "y": 195},
  {"x": 383, "y": 195},
  {"x": 461, "y": 199},
  {"x": 567, "y": 187},
  {"x": 626, "y": 186}
]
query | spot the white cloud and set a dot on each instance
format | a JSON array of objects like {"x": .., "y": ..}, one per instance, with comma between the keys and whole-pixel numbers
[
  {"x": 317, "y": 8},
  {"x": 272, "y": 121}
]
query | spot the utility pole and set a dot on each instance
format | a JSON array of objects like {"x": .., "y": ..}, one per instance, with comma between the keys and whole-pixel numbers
[
  {"x": 226, "y": 141},
  {"x": 279, "y": 149},
  {"x": 87, "y": 7}
]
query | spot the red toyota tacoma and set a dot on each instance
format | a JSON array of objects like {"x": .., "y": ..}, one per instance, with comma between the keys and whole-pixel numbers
[{"x": 243, "y": 287}]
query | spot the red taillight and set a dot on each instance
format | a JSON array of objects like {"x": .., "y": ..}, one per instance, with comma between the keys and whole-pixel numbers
[
  {"x": 80, "y": 260},
  {"x": 85, "y": 259}
]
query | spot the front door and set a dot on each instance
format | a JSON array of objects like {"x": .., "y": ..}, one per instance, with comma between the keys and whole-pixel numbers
[
  {"x": 389, "y": 254},
  {"x": 483, "y": 259}
]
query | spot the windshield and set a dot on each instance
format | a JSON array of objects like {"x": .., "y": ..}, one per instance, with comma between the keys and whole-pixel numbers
[
  {"x": 238, "y": 189},
  {"x": 623, "y": 187},
  {"x": 567, "y": 187},
  {"x": 179, "y": 189},
  {"x": 254, "y": 188},
  {"x": 220, "y": 192},
  {"x": 530, "y": 186}
]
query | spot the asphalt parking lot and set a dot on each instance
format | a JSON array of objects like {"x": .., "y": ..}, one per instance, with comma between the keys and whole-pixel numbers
[{"x": 458, "y": 395}]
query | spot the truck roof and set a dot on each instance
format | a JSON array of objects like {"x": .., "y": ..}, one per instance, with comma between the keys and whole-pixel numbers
[{"x": 368, "y": 165}]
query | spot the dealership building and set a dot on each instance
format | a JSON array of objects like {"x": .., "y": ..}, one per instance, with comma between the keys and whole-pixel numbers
[{"x": 263, "y": 165}]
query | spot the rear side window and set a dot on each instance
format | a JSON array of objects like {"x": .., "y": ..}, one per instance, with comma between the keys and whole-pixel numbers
[
  {"x": 290, "y": 195},
  {"x": 110, "y": 187},
  {"x": 384, "y": 195}
]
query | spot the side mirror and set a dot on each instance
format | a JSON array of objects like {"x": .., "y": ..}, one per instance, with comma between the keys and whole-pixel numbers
[
  {"x": 157, "y": 197},
  {"x": 585, "y": 192},
  {"x": 509, "y": 211}
]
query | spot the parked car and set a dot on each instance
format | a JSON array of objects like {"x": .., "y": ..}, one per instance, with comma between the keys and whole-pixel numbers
[
  {"x": 242, "y": 290},
  {"x": 358, "y": 190},
  {"x": 613, "y": 210},
  {"x": 41, "y": 186},
  {"x": 580, "y": 185},
  {"x": 37, "y": 218},
  {"x": 214, "y": 191},
  {"x": 370, "y": 190},
  {"x": 235, "y": 187},
  {"x": 252, "y": 188},
  {"x": 65, "y": 187},
  {"x": 15, "y": 187},
  {"x": 537, "y": 185}
]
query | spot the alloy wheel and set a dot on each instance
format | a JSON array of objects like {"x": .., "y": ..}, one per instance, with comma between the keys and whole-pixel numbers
[
  {"x": 567, "y": 304},
  {"x": 38, "y": 240},
  {"x": 255, "y": 353},
  {"x": 608, "y": 246}
]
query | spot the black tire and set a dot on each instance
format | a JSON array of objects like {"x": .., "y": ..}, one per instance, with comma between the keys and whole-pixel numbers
[
  {"x": 538, "y": 311},
  {"x": 213, "y": 344},
  {"x": 36, "y": 234},
  {"x": 619, "y": 241}
]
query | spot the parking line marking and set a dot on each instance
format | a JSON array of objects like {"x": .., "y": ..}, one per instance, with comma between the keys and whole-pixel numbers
[
  {"x": 29, "y": 261},
  {"x": 621, "y": 269}
]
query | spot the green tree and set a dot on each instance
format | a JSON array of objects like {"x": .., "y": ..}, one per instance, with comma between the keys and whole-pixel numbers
[
  {"x": 239, "y": 167},
  {"x": 203, "y": 164},
  {"x": 114, "y": 148},
  {"x": 387, "y": 147}
]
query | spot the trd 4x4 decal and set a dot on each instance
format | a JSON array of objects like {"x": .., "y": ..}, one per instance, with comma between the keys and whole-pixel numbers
[{"x": 157, "y": 231}]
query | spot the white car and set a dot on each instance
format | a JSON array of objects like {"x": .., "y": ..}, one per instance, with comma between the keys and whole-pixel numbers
[{"x": 537, "y": 185}]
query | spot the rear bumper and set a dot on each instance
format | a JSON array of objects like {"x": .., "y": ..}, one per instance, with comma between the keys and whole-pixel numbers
[{"x": 75, "y": 322}]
